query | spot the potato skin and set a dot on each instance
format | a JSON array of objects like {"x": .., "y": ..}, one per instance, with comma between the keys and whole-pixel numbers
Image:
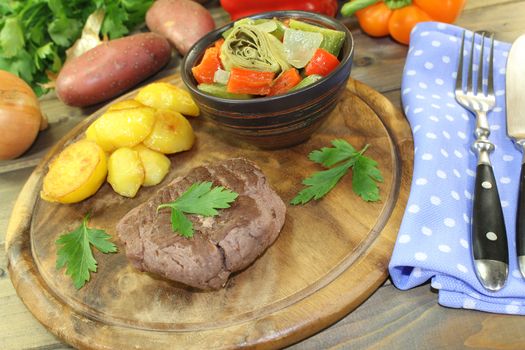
[
  {"x": 111, "y": 68},
  {"x": 183, "y": 22}
]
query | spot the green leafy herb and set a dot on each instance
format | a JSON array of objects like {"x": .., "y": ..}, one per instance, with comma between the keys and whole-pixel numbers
[
  {"x": 74, "y": 250},
  {"x": 364, "y": 178},
  {"x": 34, "y": 34},
  {"x": 199, "y": 199}
]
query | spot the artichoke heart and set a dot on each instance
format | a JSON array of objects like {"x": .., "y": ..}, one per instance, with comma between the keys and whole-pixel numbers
[{"x": 251, "y": 48}]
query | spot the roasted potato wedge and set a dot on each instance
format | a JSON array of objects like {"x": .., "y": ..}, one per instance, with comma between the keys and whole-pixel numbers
[
  {"x": 171, "y": 133},
  {"x": 167, "y": 96},
  {"x": 124, "y": 127},
  {"x": 91, "y": 134},
  {"x": 156, "y": 165},
  {"x": 125, "y": 104},
  {"x": 76, "y": 173},
  {"x": 125, "y": 172}
]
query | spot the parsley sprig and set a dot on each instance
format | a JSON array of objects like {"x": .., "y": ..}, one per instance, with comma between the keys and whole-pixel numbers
[
  {"x": 364, "y": 178},
  {"x": 74, "y": 250},
  {"x": 200, "y": 199}
]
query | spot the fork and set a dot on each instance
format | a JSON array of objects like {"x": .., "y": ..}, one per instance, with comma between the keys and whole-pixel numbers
[{"x": 488, "y": 237}]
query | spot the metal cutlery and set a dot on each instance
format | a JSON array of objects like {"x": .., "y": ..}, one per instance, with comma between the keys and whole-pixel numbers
[
  {"x": 489, "y": 238},
  {"x": 515, "y": 78}
]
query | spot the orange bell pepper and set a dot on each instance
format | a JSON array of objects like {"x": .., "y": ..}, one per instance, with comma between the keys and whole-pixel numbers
[
  {"x": 205, "y": 70},
  {"x": 397, "y": 17},
  {"x": 247, "y": 81},
  {"x": 218, "y": 44},
  {"x": 285, "y": 82}
]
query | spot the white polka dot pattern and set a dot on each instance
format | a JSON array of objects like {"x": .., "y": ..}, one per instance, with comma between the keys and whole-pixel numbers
[
  {"x": 404, "y": 239},
  {"x": 469, "y": 303},
  {"x": 434, "y": 238},
  {"x": 426, "y": 231},
  {"x": 420, "y": 256}
]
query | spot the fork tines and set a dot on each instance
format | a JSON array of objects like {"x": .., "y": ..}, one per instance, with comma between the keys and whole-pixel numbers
[{"x": 480, "y": 65}]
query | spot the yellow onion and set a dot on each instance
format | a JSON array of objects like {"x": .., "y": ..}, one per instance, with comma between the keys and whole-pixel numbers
[{"x": 20, "y": 116}]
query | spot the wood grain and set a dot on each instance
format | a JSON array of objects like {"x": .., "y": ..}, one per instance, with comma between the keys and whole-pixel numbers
[
  {"x": 297, "y": 287},
  {"x": 393, "y": 320},
  {"x": 389, "y": 318}
]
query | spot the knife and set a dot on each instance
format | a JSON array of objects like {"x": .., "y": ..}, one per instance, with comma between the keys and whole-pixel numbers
[{"x": 515, "y": 78}]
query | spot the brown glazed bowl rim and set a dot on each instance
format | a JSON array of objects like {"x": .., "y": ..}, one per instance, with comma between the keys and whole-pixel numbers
[{"x": 192, "y": 57}]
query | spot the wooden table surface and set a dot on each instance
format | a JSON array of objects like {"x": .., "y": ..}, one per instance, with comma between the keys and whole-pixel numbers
[{"x": 390, "y": 317}]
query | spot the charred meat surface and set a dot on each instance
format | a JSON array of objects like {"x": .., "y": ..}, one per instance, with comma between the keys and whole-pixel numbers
[{"x": 221, "y": 244}]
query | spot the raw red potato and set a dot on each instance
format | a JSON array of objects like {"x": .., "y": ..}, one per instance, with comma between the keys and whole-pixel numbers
[
  {"x": 182, "y": 22},
  {"x": 111, "y": 68}
]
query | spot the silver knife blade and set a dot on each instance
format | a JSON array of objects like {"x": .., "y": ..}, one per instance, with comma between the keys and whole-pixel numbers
[
  {"x": 515, "y": 104},
  {"x": 515, "y": 81}
]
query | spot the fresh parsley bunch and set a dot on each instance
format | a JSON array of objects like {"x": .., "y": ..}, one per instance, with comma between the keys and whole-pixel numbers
[
  {"x": 34, "y": 34},
  {"x": 339, "y": 159}
]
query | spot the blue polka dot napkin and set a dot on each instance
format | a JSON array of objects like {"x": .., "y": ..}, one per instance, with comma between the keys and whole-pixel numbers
[{"x": 434, "y": 238}]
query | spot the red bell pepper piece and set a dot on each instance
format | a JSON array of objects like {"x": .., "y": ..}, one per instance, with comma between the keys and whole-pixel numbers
[
  {"x": 322, "y": 63},
  {"x": 242, "y": 8},
  {"x": 285, "y": 82},
  {"x": 247, "y": 81},
  {"x": 210, "y": 62}
]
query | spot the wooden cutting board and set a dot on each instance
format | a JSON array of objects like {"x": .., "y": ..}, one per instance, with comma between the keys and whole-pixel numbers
[{"x": 330, "y": 255}]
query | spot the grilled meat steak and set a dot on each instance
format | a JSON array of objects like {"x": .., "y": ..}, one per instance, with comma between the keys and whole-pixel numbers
[{"x": 221, "y": 244}]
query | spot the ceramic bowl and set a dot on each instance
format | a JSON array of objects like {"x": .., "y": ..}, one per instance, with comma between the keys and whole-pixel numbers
[{"x": 277, "y": 121}]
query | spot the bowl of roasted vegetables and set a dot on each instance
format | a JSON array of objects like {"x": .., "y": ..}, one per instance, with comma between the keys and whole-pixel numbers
[{"x": 270, "y": 79}]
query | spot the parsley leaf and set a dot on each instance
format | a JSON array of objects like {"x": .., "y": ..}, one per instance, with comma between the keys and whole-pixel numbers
[
  {"x": 320, "y": 183},
  {"x": 74, "y": 250},
  {"x": 114, "y": 22},
  {"x": 64, "y": 31},
  {"x": 180, "y": 223},
  {"x": 22, "y": 65},
  {"x": 364, "y": 177},
  {"x": 329, "y": 156},
  {"x": 365, "y": 173},
  {"x": 44, "y": 53},
  {"x": 11, "y": 38},
  {"x": 200, "y": 199}
]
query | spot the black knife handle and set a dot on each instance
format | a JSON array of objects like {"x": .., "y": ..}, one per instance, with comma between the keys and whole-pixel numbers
[
  {"x": 520, "y": 219},
  {"x": 489, "y": 237}
]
